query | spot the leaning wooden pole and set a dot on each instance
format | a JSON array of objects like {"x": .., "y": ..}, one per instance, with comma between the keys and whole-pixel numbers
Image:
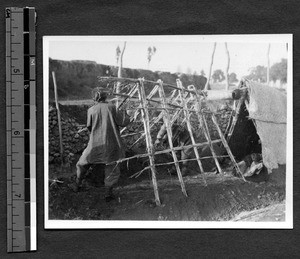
[
  {"x": 168, "y": 124},
  {"x": 227, "y": 67},
  {"x": 210, "y": 67},
  {"x": 150, "y": 150},
  {"x": 131, "y": 93},
  {"x": 58, "y": 118},
  {"x": 189, "y": 126},
  {"x": 214, "y": 119}
]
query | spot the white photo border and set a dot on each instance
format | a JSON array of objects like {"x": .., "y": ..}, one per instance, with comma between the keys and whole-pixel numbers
[{"x": 122, "y": 224}]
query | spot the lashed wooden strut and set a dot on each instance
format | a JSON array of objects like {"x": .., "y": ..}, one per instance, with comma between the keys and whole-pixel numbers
[
  {"x": 169, "y": 134},
  {"x": 145, "y": 118}
]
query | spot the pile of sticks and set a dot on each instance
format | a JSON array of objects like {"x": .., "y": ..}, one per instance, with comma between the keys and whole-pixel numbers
[{"x": 183, "y": 103}]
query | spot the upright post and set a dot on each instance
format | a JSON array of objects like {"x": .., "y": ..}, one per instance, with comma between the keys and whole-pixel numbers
[
  {"x": 58, "y": 118},
  {"x": 145, "y": 118},
  {"x": 210, "y": 67},
  {"x": 169, "y": 133}
]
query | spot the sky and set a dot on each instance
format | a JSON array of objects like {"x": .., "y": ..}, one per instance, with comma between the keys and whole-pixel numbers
[{"x": 173, "y": 53}]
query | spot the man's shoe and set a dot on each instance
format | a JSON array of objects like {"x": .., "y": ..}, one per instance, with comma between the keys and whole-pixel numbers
[{"x": 109, "y": 196}]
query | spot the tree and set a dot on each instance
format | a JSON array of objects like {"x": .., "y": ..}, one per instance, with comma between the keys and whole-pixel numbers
[
  {"x": 202, "y": 73},
  {"x": 151, "y": 52},
  {"x": 218, "y": 76},
  {"x": 279, "y": 71},
  {"x": 120, "y": 59},
  {"x": 118, "y": 52},
  {"x": 232, "y": 78},
  {"x": 258, "y": 73},
  {"x": 227, "y": 67}
]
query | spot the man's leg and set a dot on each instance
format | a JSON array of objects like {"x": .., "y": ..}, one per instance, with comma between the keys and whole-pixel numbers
[
  {"x": 112, "y": 175},
  {"x": 81, "y": 169}
]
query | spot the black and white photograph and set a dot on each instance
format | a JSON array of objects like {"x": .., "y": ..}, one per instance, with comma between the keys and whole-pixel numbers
[{"x": 182, "y": 131}]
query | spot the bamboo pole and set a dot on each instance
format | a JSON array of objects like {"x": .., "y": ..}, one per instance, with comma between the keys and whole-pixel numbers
[
  {"x": 107, "y": 78},
  {"x": 210, "y": 67},
  {"x": 145, "y": 117},
  {"x": 58, "y": 118},
  {"x": 214, "y": 119},
  {"x": 164, "y": 151},
  {"x": 227, "y": 67},
  {"x": 137, "y": 174},
  {"x": 189, "y": 126},
  {"x": 137, "y": 112},
  {"x": 170, "y": 135},
  {"x": 209, "y": 94},
  {"x": 130, "y": 95}
]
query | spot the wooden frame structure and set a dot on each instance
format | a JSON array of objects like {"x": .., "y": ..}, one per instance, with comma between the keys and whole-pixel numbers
[{"x": 182, "y": 104}]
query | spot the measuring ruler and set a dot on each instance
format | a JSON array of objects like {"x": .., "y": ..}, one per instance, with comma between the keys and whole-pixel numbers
[{"x": 21, "y": 129}]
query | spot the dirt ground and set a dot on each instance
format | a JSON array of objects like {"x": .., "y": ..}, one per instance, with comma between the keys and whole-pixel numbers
[{"x": 223, "y": 197}]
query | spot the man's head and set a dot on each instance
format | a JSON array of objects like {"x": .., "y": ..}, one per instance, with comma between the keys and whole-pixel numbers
[{"x": 100, "y": 95}]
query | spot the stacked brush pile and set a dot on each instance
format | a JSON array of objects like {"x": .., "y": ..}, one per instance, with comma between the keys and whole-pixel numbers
[{"x": 74, "y": 141}]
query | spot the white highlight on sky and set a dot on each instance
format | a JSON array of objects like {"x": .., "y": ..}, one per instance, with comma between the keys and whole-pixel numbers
[{"x": 174, "y": 53}]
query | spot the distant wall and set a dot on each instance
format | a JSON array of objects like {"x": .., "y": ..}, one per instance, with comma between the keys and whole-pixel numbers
[{"x": 76, "y": 79}]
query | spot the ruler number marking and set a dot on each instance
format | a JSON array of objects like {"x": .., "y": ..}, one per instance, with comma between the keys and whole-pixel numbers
[
  {"x": 7, "y": 13},
  {"x": 16, "y": 132},
  {"x": 14, "y": 60}
]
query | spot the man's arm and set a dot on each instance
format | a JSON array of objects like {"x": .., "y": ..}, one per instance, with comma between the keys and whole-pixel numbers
[{"x": 89, "y": 121}]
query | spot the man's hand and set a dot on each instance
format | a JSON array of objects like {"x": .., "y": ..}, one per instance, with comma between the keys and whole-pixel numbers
[{"x": 83, "y": 129}]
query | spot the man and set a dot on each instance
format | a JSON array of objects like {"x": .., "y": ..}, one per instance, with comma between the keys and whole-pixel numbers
[
  {"x": 105, "y": 144},
  {"x": 180, "y": 138}
]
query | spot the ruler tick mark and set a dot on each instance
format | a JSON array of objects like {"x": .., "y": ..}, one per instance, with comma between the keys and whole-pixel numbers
[{"x": 16, "y": 62}]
